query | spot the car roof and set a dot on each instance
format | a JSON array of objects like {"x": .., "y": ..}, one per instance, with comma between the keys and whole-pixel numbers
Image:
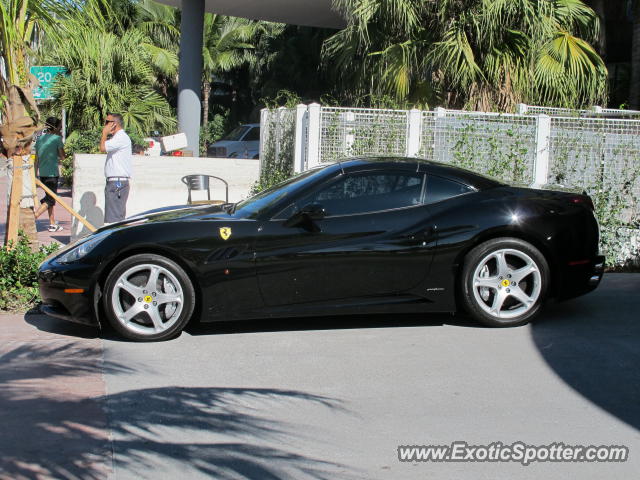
[{"x": 461, "y": 175}]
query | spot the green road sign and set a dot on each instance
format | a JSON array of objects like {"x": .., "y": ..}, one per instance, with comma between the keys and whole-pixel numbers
[{"x": 47, "y": 77}]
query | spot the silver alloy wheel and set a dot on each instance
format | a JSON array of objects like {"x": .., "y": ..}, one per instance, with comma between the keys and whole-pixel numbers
[
  {"x": 147, "y": 299},
  {"x": 507, "y": 283}
]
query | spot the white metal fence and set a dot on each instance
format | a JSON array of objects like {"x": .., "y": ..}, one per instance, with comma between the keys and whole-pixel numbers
[
  {"x": 595, "y": 150},
  {"x": 597, "y": 112}
]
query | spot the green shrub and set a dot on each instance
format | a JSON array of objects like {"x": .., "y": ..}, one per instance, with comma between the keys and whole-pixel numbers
[
  {"x": 278, "y": 149},
  {"x": 212, "y": 132},
  {"x": 268, "y": 181},
  {"x": 18, "y": 274}
]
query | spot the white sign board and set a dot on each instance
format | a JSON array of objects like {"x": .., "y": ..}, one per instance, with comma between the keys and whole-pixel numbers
[{"x": 174, "y": 142}]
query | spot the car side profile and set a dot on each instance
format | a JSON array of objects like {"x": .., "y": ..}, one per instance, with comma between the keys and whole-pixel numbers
[
  {"x": 241, "y": 142},
  {"x": 363, "y": 235}
]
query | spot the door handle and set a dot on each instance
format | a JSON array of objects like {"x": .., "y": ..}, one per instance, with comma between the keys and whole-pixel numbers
[
  {"x": 427, "y": 234},
  {"x": 430, "y": 232}
]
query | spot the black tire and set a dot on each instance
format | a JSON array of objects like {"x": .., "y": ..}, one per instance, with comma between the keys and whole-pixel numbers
[
  {"x": 494, "y": 287},
  {"x": 131, "y": 291}
]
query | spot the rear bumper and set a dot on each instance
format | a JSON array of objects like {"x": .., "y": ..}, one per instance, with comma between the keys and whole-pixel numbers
[{"x": 579, "y": 278}]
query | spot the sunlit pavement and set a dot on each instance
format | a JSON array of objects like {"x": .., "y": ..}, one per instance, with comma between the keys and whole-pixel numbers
[{"x": 323, "y": 398}]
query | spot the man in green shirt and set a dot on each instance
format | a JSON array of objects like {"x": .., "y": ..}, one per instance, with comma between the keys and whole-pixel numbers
[{"x": 49, "y": 152}]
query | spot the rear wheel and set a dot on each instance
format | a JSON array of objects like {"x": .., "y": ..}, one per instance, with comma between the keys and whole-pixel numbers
[
  {"x": 504, "y": 282},
  {"x": 148, "y": 297}
]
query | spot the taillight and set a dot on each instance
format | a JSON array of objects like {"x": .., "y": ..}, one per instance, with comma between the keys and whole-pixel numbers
[{"x": 584, "y": 200}]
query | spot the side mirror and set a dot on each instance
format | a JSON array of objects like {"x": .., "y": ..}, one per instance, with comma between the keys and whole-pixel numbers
[
  {"x": 314, "y": 211},
  {"x": 306, "y": 217}
]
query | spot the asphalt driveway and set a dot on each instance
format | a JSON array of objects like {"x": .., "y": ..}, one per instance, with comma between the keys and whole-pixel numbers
[{"x": 328, "y": 398}]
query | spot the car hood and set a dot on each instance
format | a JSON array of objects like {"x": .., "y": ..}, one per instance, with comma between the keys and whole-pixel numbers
[{"x": 172, "y": 214}]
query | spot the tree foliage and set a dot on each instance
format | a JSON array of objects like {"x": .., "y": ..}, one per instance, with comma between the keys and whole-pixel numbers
[
  {"x": 112, "y": 69},
  {"x": 228, "y": 44},
  {"x": 481, "y": 54},
  {"x": 110, "y": 73},
  {"x": 21, "y": 22}
]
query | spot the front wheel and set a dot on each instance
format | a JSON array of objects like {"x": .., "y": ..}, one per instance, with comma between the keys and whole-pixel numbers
[
  {"x": 504, "y": 282},
  {"x": 148, "y": 297}
]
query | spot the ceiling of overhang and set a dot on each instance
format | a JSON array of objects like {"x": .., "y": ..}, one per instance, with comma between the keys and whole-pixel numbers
[{"x": 312, "y": 13}]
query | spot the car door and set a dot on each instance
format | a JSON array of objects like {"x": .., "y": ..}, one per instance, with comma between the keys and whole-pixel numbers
[
  {"x": 373, "y": 241},
  {"x": 220, "y": 248}
]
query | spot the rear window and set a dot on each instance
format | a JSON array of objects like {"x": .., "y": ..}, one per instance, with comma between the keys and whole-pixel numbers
[{"x": 439, "y": 189}]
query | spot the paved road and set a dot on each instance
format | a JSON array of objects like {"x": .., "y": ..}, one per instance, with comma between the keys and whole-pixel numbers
[{"x": 328, "y": 398}]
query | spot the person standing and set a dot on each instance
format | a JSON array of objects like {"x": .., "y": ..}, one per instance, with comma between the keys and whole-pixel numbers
[
  {"x": 49, "y": 152},
  {"x": 117, "y": 168}
]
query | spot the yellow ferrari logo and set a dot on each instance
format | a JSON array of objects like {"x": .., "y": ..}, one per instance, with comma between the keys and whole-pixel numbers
[
  {"x": 148, "y": 299},
  {"x": 225, "y": 232},
  {"x": 505, "y": 283}
]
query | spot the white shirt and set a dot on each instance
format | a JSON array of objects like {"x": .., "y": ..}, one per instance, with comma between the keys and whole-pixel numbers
[{"x": 119, "y": 157}]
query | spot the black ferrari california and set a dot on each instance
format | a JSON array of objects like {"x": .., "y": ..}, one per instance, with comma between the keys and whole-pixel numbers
[{"x": 372, "y": 235}]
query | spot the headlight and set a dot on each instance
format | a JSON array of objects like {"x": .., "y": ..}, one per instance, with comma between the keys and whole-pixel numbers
[{"x": 79, "y": 251}]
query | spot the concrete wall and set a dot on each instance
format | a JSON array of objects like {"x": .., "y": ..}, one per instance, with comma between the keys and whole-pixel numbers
[{"x": 156, "y": 183}]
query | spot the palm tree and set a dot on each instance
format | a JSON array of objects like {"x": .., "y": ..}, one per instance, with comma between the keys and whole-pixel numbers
[
  {"x": 109, "y": 72},
  {"x": 634, "y": 86},
  {"x": 161, "y": 25},
  {"x": 473, "y": 53},
  {"x": 227, "y": 45},
  {"x": 288, "y": 58},
  {"x": 111, "y": 69},
  {"x": 21, "y": 23}
]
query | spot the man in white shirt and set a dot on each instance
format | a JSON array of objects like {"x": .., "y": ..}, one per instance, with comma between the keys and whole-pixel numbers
[{"x": 117, "y": 168}]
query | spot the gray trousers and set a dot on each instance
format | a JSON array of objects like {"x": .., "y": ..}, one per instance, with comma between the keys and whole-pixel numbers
[{"x": 116, "y": 193}]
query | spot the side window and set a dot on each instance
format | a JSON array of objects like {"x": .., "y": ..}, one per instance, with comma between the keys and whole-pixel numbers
[
  {"x": 286, "y": 213},
  {"x": 439, "y": 188},
  {"x": 253, "y": 135},
  {"x": 368, "y": 192}
]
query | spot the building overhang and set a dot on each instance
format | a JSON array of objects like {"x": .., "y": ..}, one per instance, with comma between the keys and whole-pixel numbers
[{"x": 312, "y": 13}]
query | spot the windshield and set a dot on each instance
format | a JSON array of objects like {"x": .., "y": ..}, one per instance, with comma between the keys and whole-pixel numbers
[
  {"x": 237, "y": 133},
  {"x": 254, "y": 206}
]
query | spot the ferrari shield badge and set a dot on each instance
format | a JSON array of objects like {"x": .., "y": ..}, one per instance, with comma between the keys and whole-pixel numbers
[{"x": 225, "y": 232}]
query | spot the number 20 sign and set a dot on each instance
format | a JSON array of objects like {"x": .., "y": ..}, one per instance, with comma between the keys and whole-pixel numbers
[{"x": 46, "y": 75}]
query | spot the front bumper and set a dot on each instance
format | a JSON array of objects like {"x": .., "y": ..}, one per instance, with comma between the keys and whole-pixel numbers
[{"x": 56, "y": 280}]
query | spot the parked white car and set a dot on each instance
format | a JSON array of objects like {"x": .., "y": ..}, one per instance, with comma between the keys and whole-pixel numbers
[
  {"x": 154, "y": 147},
  {"x": 242, "y": 142}
]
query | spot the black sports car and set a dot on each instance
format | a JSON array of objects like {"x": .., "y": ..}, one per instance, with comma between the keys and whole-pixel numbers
[{"x": 370, "y": 235}]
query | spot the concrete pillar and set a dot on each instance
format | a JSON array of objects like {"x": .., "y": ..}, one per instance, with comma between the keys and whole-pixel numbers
[
  {"x": 349, "y": 119},
  {"x": 300, "y": 151},
  {"x": 264, "y": 132},
  {"x": 190, "y": 79},
  {"x": 414, "y": 132},
  {"x": 313, "y": 135},
  {"x": 543, "y": 139},
  {"x": 441, "y": 139}
]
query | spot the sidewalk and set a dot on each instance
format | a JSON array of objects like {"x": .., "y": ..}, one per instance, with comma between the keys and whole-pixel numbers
[{"x": 44, "y": 236}]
